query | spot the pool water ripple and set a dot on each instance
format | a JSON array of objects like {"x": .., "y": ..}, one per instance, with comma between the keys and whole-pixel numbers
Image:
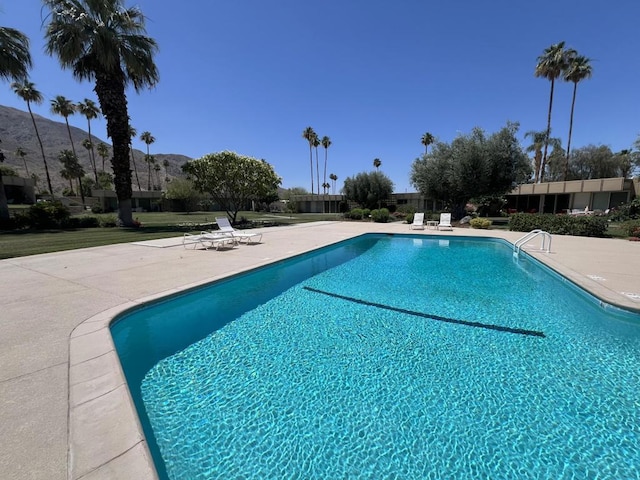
[{"x": 310, "y": 386}]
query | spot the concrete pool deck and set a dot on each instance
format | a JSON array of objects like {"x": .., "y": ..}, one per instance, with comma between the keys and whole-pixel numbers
[{"x": 64, "y": 407}]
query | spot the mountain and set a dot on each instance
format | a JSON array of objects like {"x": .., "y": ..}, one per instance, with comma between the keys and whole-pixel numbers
[{"x": 16, "y": 130}]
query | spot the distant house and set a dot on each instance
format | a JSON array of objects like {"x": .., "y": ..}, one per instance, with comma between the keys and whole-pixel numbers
[
  {"x": 552, "y": 197},
  {"x": 597, "y": 194}
]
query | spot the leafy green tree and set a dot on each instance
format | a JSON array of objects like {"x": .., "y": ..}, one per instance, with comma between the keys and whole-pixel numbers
[
  {"x": 184, "y": 190},
  {"x": 472, "y": 166},
  {"x": 101, "y": 41},
  {"x": 551, "y": 64},
  {"x": 578, "y": 69},
  {"x": 15, "y": 59},
  {"x": 20, "y": 152},
  {"x": 27, "y": 92},
  {"x": 310, "y": 135},
  {"x": 90, "y": 111},
  {"x": 232, "y": 180},
  {"x": 426, "y": 140},
  {"x": 624, "y": 159},
  {"x": 368, "y": 189},
  {"x": 147, "y": 138},
  {"x": 593, "y": 161},
  {"x": 556, "y": 163}
]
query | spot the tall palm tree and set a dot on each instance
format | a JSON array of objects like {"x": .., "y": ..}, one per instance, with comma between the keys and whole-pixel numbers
[
  {"x": 157, "y": 168},
  {"x": 15, "y": 59},
  {"x": 316, "y": 144},
  {"x": 90, "y": 110},
  {"x": 326, "y": 143},
  {"x": 64, "y": 107},
  {"x": 132, "y": 134},
  {"x": 20, "y": 152},
  {"x": 539, "y": 140},
  {"x": 101, "y": 41},
  {"x": 165, "y": 164},
  {"x": 377, "y": 163},
  {"x": 551, "y": 64},
  {"x": 333, "y": 178},
  {"x": 578, "y": 69},
  {"x": 309, "y": 134},
  {"x": 147, "y": 138},
  {"x": 72, "y": 170},
  {"x": 426, "y": 140},
  {"x": 103, "y": 151},
  {"x": 27, "y": 91}
]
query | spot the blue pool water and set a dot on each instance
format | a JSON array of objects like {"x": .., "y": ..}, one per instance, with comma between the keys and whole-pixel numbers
[{"x": 388, "y": 357}]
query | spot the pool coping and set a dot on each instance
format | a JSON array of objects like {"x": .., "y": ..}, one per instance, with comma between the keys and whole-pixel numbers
[{"x": 104, "y": 437}]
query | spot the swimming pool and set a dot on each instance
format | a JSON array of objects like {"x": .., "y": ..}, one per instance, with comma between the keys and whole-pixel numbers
[{"x": 388, "y": 356}]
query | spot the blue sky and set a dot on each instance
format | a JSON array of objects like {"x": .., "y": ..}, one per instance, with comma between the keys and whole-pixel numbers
[{"x": 373, "y": 75}]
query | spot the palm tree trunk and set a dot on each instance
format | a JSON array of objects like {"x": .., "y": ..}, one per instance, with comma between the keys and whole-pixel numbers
[
  {"x": 135, "y": 168},
  {"x": 92, "y": 155},
  {"x": 311, "y": 162},
  {"x": 543, "y": 164},
  {"x": 113, "y": 101},
  {"x": 4, "y": 206},
  {"x": 73, "y": 148},
  {"x": 324, "y": 180},
  {"x": 573, "y": 103},
  {"x": 317, "y": 171},
  {"x": 44, "y": 157}
]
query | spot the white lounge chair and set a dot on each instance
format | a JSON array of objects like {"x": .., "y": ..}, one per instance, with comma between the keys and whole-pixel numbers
[
  {"x": 445, "y": 222},
  {"x": 208, "y": 240},
  {"x": 225, "y": 227},
  {"x": 418, "y": 222}
]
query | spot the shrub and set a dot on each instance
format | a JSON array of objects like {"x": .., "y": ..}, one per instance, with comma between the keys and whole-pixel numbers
[
  {"x": 355, "y": 214},
  {"x": 631, "y": 228},
  {"x": 97, "y": 209},
  {"x": 365, "y": 213},
  {"x": 84, "y": 221},
  {"x": 585, "y": 226},
  {"x": 44, "y": 215},
  {"x": 627, "y": 211},
  {"x": 380, "y": 216},
  {"x": 409, "y": 217},
  {"x": 406, "y": 209},
  {"x": 483, "y": 223},
  {"x": 109, "y": 221}
]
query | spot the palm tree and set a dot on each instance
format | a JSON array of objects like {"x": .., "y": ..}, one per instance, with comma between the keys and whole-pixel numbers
[
  {"x": 90, "y": 110},
  {"x": 64, "y": 107},
  {"x": 147, "y": 138},
  {"x": 15, "y": 59},
  {"x": 551, "y": 64},
  {"x": 103, "y": 151},
  {"x": 157, "y": 168},
  {"x": 22, "y": 154},
  {"x": 426, "y": 140},
  {"x": 27, "y": 91},
  {"x": 539, "y": 141},
  {"x": 72, "y": 169},
  {"x": 579, "y": 69},
  {"x": 309, "y": 134},
  {"x": 165, "y": 164},
  {"x": 316, "y": 144},
  {"x": 377, "y": 163},
  {"x": 101, "y": 41},
  {"x": 132, "y": 134},
  {"x": 333, "y": 178},
  {"x": 326, "y": 143}
]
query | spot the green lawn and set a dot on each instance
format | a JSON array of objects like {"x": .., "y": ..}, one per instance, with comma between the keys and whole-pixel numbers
[{"x": 154, "y": 226}]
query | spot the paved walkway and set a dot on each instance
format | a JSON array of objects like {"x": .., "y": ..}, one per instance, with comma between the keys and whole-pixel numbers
[{"x": 64, "y": 406}]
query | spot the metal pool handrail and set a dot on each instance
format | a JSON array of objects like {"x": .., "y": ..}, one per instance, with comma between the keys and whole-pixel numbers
[{"x": 532, "y": 234}]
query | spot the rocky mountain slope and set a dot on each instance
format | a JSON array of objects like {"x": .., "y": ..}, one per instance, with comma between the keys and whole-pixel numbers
[{"x": 16, "y": 130}]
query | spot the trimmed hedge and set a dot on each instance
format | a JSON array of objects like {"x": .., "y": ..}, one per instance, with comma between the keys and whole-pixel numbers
[
  {"x": 380, "y": 216},
  {"x": 583, "y": 226},
  {"x": 478, "y": 222}
]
